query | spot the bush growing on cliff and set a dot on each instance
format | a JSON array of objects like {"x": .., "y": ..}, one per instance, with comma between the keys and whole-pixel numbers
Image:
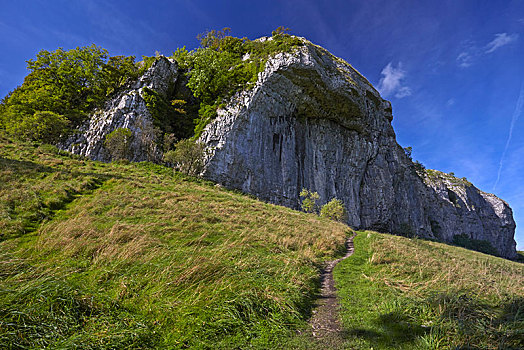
[
  {"x": 188, "y": 157},
  {"x": 224, "y": 64},
  {"x": 118, "y": 143},
  {"x": 334, "y": 210}
]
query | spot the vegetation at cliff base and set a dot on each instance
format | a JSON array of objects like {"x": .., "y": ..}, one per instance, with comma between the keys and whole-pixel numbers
[
  {"x": 401, "y": 293},
  {"x": 132, "y": 256}
]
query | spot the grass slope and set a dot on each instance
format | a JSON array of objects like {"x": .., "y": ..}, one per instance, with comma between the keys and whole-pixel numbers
[
  {"x": 401, "y": 293},
  {"x": 105, "y": 256}
]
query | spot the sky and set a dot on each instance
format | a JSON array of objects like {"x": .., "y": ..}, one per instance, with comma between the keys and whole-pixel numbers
[{"x": 453, "y": 70}]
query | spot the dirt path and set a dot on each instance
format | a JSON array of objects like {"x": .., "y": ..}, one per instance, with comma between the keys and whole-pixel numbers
[{"x": 325, "y": 322}]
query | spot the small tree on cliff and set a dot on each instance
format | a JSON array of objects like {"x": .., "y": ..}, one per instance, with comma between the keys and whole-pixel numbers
[
  {"x": 188, "y": 157},
  {"x": 309, "y": 201},
  {"x": 118, "y": 143}
]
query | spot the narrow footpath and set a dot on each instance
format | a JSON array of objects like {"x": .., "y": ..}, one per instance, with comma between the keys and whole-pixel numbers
[{"x": 325, "y": 321}]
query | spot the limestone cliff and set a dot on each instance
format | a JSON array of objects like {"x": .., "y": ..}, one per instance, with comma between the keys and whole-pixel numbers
[
  {"x": 312, "y": 121},
  {"x": 126, "y": 110}
]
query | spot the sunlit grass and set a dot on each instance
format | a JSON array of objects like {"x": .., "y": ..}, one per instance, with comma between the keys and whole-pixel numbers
[
  {"x": 401, "y": 293},
  {"x": 148, "y": 258}
]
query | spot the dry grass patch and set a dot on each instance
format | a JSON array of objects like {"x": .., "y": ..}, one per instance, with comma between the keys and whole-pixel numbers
[{"x": 148, "y": 258}]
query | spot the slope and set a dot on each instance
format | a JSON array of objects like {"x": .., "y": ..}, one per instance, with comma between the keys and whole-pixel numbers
[
  {"x": 401, "y": 293},
  {"x": 132, "y": 255}
]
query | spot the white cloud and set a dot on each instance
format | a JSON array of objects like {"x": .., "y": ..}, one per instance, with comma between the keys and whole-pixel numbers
[
  {"x": 391, "y": 82},
  {"x": 500, "y": 40},
  {"x": 464, "y": 59}
]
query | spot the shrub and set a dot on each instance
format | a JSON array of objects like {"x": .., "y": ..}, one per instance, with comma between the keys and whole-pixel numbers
[
  {"x": 188, "y": 157},
  {"x": 118, "y": 143},
  {"x": 334, "y": 210},
  {"x": 309, "y": 203},
  {"x": 43, "y": 126}
]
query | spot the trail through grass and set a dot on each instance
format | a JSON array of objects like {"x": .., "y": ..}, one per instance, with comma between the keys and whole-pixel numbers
[
  {"x": 148, "y": 258},
  {"x": 401, "y": 293}
]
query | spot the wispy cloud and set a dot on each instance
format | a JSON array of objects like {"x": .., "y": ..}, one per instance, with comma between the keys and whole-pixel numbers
[
  {"x": 472, "y": 52},
  {"x": 465, "y": 59},
  {"x": 500, "y": 40},
  {"x": 516, "y": 114},
  {"x": 391, "y": 83}
]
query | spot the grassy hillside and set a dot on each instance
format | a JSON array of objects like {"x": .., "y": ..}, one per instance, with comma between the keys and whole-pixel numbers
[
  {"x": 96, "y": 255},
  {"x": 120, "y": 255},
  {"x": 401, "y": 293}
]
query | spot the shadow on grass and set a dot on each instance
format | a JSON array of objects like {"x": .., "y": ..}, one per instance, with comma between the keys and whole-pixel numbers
[
  {"x": 391, "y": 328},
  {"x": 40, "y": 203},
  {"x": 469, "y": 320},
  {"x": 24, "y": 166}
]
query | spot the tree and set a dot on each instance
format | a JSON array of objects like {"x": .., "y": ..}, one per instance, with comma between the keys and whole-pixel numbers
[
  {"x": 408, "y": 151},
  {"x": 118, "y": 143},
  {"x": 309, "y": 201},
  {"x": 66, "y": 83},
  {"x": 188, "y": 157},
  {"x": 334, "y": 210}
]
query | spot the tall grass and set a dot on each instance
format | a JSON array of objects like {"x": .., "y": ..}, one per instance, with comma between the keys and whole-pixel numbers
[
  {"x": 149, "y": 258},
  {"x": 401, "y": 293}
]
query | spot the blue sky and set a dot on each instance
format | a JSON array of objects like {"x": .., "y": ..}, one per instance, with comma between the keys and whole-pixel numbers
[{"x": 453, "y": 70}]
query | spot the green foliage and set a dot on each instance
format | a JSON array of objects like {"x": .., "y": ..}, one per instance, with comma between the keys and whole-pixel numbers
[
  {"x": 479, "y": 245},
  {"x": 334, "y": 210},
  {"x": 224, "y": 65},
  {"x": 44, "y": 126},
  {"x": 69, "y": 84},
  {"x": 419, "y": 167},
  {"x": 169, "y": 116},
  {"x": 309, "y": 200},
  {"x": 118, "y": 143},
  {"x": 188, "y": 157}
]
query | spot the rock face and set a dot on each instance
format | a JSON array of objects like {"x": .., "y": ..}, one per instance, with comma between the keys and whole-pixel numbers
[
  {"x": 314, "y": 122},
  {"x": 126, "y": 110}
]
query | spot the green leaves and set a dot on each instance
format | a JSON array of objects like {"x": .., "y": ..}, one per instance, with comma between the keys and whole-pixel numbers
[
  {"x": 67, "y": 86},
  {"x": 118, "y": 143},
  {"x": 334, "y": 210},
  {"x": 224, "y": 65}
]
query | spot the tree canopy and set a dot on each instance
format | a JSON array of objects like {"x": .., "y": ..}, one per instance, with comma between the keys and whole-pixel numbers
[{"x": 66, "y": 85}]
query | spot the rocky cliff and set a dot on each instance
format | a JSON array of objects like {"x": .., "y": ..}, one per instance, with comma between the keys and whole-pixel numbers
[
  {"x": 126, "y": 110},
  {"x": 312, "y": 121}
]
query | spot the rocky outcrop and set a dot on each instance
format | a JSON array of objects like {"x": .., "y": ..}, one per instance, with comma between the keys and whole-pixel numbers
[
  {"x": 126, "y": 110},
  {"x": 312, "y": 121}
]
